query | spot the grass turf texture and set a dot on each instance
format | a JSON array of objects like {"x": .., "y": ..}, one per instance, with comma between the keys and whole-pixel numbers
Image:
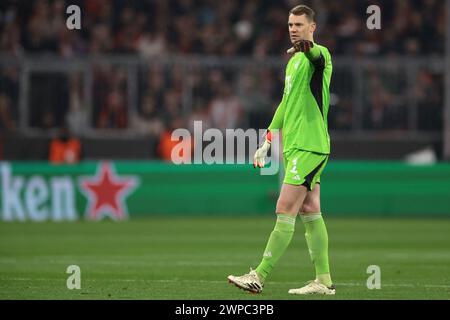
[{"x": 190, "y": 258}]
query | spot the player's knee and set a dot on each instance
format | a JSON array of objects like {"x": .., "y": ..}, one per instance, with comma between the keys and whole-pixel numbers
[
  {"x": 284, "y": 206},
  {"x": 311, "y": 207}
]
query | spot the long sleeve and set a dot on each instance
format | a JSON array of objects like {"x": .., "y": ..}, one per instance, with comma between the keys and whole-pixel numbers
[
  {"x": 277, "y": 120},
  {"x": 316, "y": 57}
]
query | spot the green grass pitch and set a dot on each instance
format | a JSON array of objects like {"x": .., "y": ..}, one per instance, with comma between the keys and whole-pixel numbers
[{"x": 190, "y": 258}]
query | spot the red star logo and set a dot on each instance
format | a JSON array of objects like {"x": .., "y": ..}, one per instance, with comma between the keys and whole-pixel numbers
[{"x": 106, "y": 193}]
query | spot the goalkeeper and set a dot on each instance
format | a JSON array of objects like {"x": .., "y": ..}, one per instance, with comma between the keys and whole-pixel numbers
[{"x": 302, "y": 117}]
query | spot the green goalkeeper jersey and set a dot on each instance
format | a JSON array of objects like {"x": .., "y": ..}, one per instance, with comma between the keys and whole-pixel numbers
[{"x": 302, "y": 113}]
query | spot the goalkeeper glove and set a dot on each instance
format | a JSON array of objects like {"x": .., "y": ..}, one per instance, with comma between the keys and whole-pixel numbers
[
  {"x": 261, "y": 153},
  {"x": 301, "y": 46}
]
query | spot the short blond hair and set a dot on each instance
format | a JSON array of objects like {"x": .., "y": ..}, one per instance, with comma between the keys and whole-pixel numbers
[{"x": 302, "y": 9}]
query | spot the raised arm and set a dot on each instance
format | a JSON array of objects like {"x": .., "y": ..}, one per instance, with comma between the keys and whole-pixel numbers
[{"x": 311, "y": 51}]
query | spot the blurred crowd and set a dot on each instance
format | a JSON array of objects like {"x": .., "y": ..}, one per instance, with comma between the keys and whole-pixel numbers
[
  {"x": 220, "y": 96},
  {"x": 240, "y": 27}
]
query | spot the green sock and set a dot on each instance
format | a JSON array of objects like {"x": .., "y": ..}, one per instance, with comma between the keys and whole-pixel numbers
[
  {"x": 278, "y": 242},
  {"x": 317, "y": 240}
]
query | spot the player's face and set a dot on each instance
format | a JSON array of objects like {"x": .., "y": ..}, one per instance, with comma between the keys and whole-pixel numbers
[{"x": 300, "y": 28}]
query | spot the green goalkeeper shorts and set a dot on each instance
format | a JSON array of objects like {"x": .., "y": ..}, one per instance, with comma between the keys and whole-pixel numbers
[{"x": 304, "y": 167}]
